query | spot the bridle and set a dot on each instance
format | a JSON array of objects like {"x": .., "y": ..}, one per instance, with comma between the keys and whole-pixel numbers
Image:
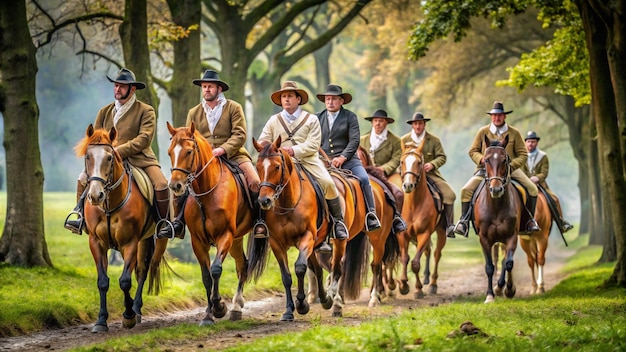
[
  {"x": 507, "y": 175},
  {"x": 108, "y": 184},
  {"x": 418, "y": 174},
  {"x": 278, "y": 188},
  {"x": 193, "y": 175}
]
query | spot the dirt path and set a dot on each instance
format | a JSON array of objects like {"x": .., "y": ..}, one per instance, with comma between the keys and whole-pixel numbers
[{"x": 453, "y": 282}]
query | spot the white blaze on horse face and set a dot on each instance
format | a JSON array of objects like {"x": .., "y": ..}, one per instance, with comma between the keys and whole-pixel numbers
[
  {"x": 266, "y": 166},
  {"x": 177, "y": 150},
  {"x": 98, "y": 156},
  {"x": 408, "y": 163}
]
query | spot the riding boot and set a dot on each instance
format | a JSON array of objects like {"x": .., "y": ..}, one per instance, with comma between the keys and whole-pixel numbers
[
  {"x": 371, "y": 220},
  {"x": 260, "y": 227},
  {"x": 175, "y": 228},
  {"x": 77, "y": 226},
  {"x": 340, "y": 230},
  {"x": 531, "y": 204},
  {"x": 396, "y": 199},
  {"x": 565, "y": 226},
  {"x": 462, "y": 226},
  {"x": 448, "y": 213}
]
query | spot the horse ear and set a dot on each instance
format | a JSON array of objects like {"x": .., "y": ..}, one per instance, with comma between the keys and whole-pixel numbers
[
  {"x": 505, "y": 141},
  {"x": 487, "y": 142},
  {"x": 256, "y": 145},
  {"x": 192, "y": 128},
  {"x": 113, "y": 134},
  {"x": 278, "y": 141},
  {"x": 171, "y": 128},
  {"x": 89, "y": 131}
]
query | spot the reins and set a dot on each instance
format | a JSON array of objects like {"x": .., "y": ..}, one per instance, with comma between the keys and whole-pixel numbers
[{"x": 278, "y": 188}]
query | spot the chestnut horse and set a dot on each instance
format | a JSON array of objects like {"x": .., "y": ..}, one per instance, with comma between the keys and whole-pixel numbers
[
  {"x": 536, "y": 244},
  {"x": 216, "y": 212},
  {"x": 118, "y": 216},
  {"x": 348, "y": 265},
  {"x": 497, "y": 212},
  {"x": 422, "y": 218},
  {"x": 290, "y": 202}
]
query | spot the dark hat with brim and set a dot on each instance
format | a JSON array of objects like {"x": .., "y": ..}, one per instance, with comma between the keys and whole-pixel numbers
[
  {"x": 531, "y": 135},
  {"x": 212, "y": 77},
  {"x": 498, "y": 108},
  {"x": 336, "y": 90},
  {"x": 418, "y": 116},
  {"x": 382, "y": 114},
  {"x": 126, "y": 76},
  {"x": 289, "y": 86}
]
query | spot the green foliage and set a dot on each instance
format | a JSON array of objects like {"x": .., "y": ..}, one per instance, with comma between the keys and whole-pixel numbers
[{"x": 561, "y": 63}]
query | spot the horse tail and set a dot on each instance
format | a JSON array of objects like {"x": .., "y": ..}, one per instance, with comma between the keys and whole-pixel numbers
[
  {"x": 257, "y": 256},
  {"x": 158, "y": 263},
  {"x": 392, "y": 250},
  {"x": 355, "y": 265}
]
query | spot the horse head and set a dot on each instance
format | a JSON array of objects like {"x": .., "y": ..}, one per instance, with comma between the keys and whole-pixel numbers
[
  {"x": 185, "y": 155},
  {"x": 274, "y": 167},
  {"x": 102, "y": 163},
  {"x": 497, "y": 166},
  {"x": 411, "y": 167}
]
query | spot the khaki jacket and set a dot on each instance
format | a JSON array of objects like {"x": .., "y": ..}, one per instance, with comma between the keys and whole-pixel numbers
[
  {"x": 388, "y": 155},
  {"x": 135, "y": 131},
  {"x": 229, "y": 133},
  {"x": 516, "y": 148},
  {"x": 433, "y": 151},
  {"x": 540, "y": 168}
]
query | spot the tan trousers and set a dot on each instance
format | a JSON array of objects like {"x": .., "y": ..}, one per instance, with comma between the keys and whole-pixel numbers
[
  {"x": 252, "y": 178},
  {"x": 518, "y": 175}
]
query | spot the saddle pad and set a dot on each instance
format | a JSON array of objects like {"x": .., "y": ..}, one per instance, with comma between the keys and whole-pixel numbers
[
  {"x": 240, "y": 177},
  {"x": 319, "y": 193},
  {"x": 437, "y": 197},
  {"x": 144, "y": 183}
]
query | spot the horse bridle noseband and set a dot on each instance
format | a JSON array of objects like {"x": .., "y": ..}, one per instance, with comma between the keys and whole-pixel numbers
[
  {"x": 507, "y": 176},
  {"x": 108, "y": 185},
  {"x": 418, "y": 175},
  {"x": 278, "y": 188},
  {"x": 193, "y": 175}
]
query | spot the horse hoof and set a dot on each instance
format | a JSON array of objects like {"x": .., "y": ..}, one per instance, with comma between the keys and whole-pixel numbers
[
  {"x": 509, "y": 293},
  {"x": 207, "y": 322},
  {"x": 489, "y": 299},
  {"x": 129, "y": 323},
  {"x": 220, "y": 310},
  {"x": 100, "y": 328},
  {"x": 287, "y": 317},
  {"x": 337, "y": 314},
  {"x": 138, "y": 318},
  {"x": 404, "y": 288},
  {"x": 432, "y": 290},
  {"x": 235, "y": 315},
  {"x": 302, "y": 307},
  {"x": 418, "y": 295},
  {"x": 328, "y": 303}
]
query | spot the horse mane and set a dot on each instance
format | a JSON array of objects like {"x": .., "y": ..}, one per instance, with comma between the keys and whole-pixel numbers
[
  {"x": 495, "y": 143},
  {"x": 265, "y": 152},
  {"x": 379, "y": 174},
  {"x": 99, "y": 136}
]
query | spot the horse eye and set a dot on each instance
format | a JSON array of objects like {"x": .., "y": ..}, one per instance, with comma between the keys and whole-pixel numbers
[
  {"x": 110, "y": 158},
  {"x": 189, "y": 152}
]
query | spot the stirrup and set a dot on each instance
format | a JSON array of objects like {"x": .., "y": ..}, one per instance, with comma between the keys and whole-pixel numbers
[
  {"x": 532, "y": 226},
  {"x": 161, "y": 231},
  {"x": 398, "y": 224},
  {"x": 450, "y": 232},
  {"x": 461, "y": 228},
  {"x": 566, "y": 226},
  {"x": 261, "y": 223},
  {"x": 324, "y": 248},
  {"x": 77, "y": 229},
  {"x": 368, "y": 217},
  {"x": 345, "y": 229}
]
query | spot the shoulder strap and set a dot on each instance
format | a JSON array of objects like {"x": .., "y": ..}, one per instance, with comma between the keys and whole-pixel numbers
[{"x": 291, "y": 133}]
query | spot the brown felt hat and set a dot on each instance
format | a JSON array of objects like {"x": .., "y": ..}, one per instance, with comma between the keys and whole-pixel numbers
[{"x": 289, "y": 86}]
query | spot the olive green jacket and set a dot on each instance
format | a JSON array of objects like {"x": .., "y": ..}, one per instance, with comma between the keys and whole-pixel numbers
[
  {"x": 387, "y": 156},
  {"x": 433, "y": 151}
]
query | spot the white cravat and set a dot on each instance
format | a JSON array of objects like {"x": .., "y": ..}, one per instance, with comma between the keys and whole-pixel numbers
[
  {"x": 531, "y": 159},
  {"x": 498, "y": 131},
  {"x": 292, "y": 117},
  {"x": 377, "y": 139},
  {"x": 213, "y": 114},
  {"x": 120, "y": 109},
  {"x": 331, "y": 118},
  {"x": 417, "y": 139}
]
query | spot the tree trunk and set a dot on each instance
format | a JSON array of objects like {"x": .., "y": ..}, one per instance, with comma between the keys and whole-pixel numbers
[
  {"x": 187, "y": 65},
  {"x": 23, "y": 242},
  {"x": 134, "y": 37}
]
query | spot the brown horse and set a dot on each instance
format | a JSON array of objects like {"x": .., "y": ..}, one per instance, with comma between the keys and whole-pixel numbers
[
  {"x": 423, "y": 218},
  {"x": 216, "y": 212},
  {"x": 118, "y": 216},
  {"x": 497, "y": 214},
  {"x": 292, "y": 212},
  {"x": 536, "y": 244},
  {"x": 348, "y": 265}
]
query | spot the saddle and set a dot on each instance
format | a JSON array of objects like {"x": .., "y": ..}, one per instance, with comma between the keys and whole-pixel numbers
[
  {"x": 239, "y": 176},
  {"x": 319, "y": 193},
  {"x": 436, "y": 194},
  {"x": 143, "y": 182}
]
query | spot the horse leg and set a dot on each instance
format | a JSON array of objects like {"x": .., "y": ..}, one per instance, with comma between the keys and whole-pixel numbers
[
  {"x": 300, "y": 267},
  {"x": 489, "y": 267},
  {"x": 219, "y": 306},
  {"x": 542, "y": 246},
  {"x": 281, "y": 258},
  {"x": 423, "y": 243},
  {"x": 427, "y": 253},
  {"x": 100, "y": 257},
  {"x": 236, "y": 251},
  {"x": 531, "y": 260},
  {"x": 129, "y": 253},
  {"x": 390, "y": 281},
  {"x": 441, "y": 242},
  {"x": 202, "y": 255},
  {"x": 339, "y": 250},
  {"x": 377, "y": 284},
  {"x": 144, "y": 255},
  {"x": 509, "y": 289},
  {"x": 315, "y": 274},
  {"x": 403, "y": 242}
]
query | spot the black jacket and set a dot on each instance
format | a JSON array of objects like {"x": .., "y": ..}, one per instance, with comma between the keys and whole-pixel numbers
[{"x": 345, "y": 136}]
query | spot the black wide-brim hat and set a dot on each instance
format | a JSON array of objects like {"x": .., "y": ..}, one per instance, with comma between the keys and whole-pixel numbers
[
  {"x": 336, "y": 90},
  {"x": 418, "y": 116},
  {"x": 126, "y": 76},
  {"x": 531, "y": 135},
  {"x": 380, "y": 114},
  {"x": 289, "y": 86},
  {"x": 498, "y": 108},
  {"x": 211, "y": 76}
]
